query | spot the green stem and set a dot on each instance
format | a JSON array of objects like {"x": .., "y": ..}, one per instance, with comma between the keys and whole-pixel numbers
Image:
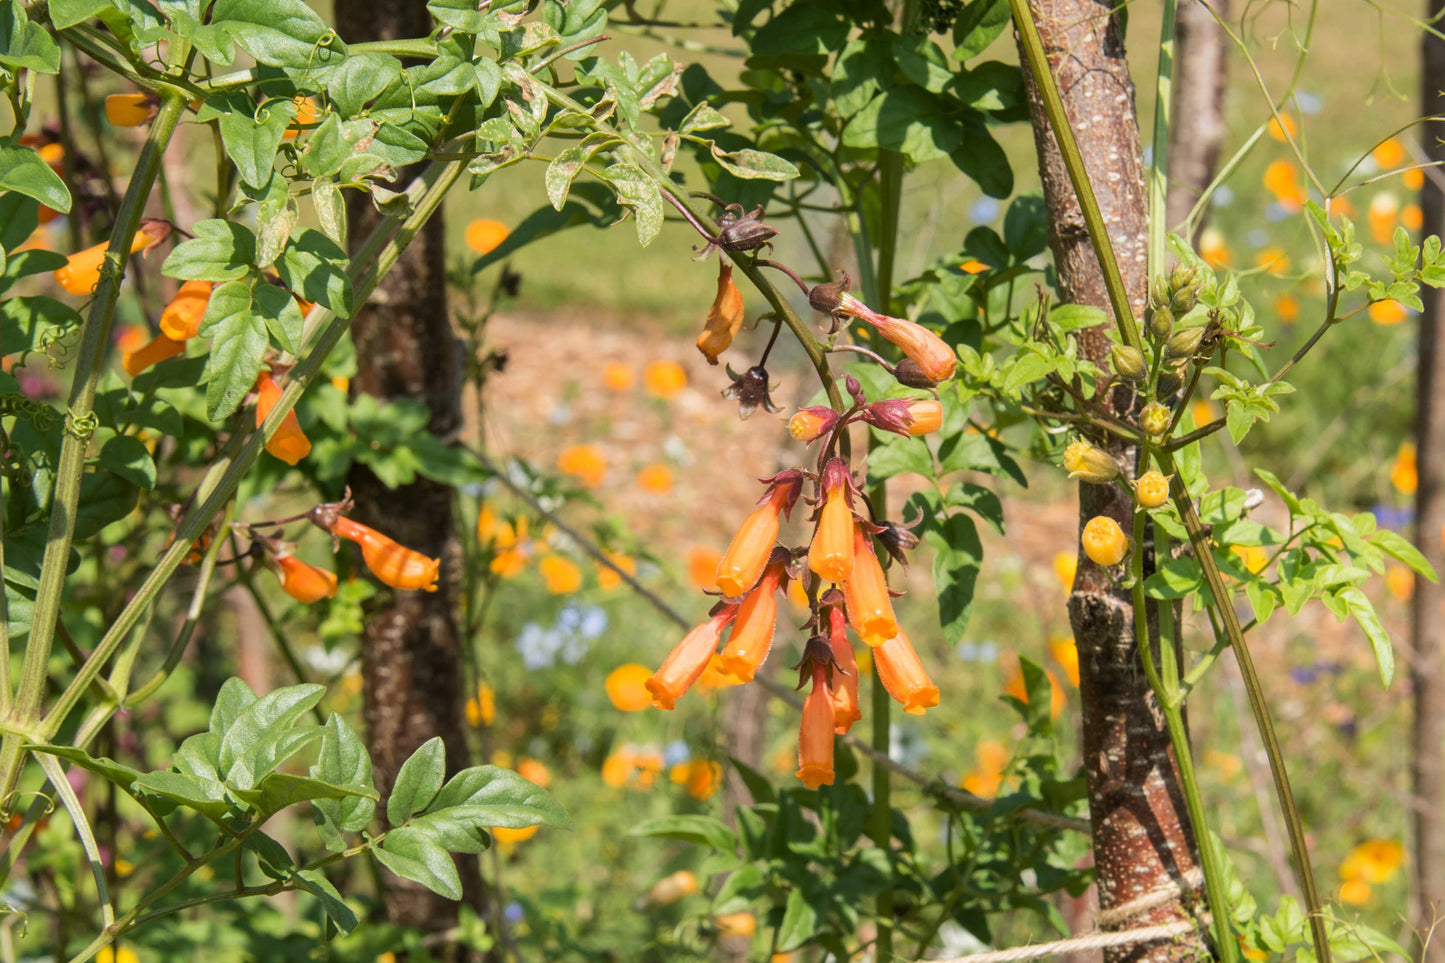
[
  {"x": 1048, "y": 89},
  {"x": 882, "y": 815},
  {"x": 1159, "y": 162},
  {"x": 1258, "y": 705},
  {"x": 79, "y": 425}
]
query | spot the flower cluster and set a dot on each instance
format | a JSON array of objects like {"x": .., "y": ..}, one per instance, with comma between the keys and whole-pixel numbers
[{"x": 842, "y": 576}]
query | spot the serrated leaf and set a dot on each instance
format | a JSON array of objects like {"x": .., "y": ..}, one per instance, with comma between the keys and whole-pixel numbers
[
  {"x": 238, "y": 345},
  {"x": 412, "y": 855},
  {"x": 220, "y": 251},
  {"x": 417, "y": 781},
  {"x": 23, "y": 170}
]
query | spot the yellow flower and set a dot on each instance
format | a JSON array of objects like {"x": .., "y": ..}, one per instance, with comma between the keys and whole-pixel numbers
[
  {"x": 1355, "y": 891},
  {"x": 1413, "y": 179},
  {"x": 617, "y": 768},
  {"x": 618, "y": 376},
  {"x": 1390, "y": 153},
  {"x": 1281, "y": 178},
  {"x": 109, "y": 954},
  {"x": 511, "y": 837},
  {"x": 1066, "y": 654},
  {"x": 664, "y": 379},
  {"x": 1065, "y": 565},
  {"x": 131, "y": 110},
  {"x": 1374, "y": 861},
  {"x": 627, "y": 687},
  {"x": 1400, "y": 581},
  {"x": 655, "y": 479},
  {"x": 973, "y": 267},
  {"x": 1387, "y": 313},
  {"x": 484, "y": 234},
  {"x": 1104, "y": 541},
  {"x": 700, "y": 776},
  {"x": 607, "y": 579},
  {"x": 482, "y": 708},
  {"x": 586, "y": 463},
  {"x": 1254, "y": 557},
  {"x": 1412, "y": 217},
  {"x": 561, "y": 575},
  {"x": 1403, "y": 473},
  {"x": 1212, "y": 248}
]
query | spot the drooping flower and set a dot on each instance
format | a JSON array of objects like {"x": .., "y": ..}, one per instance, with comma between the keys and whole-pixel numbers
[
  {"x": 181, "y": 319},
  {"x": 903, "y": 675},
  {"x": 395, "y": 565},
  {"x": 81, "y": 272},
  {"x": 934, "y": 358},
  {"x": 131, "y": 110},
  {"x": 689, "y": 658},
  {"x": 725, "y": 316},
  {"x": 870, "y": 610},
  {"x": 154, "y": 351},
  {"x": 846, "y": 706},
  {"x": 830, "y": 555},
  {"x": 747, "y": 555},
  {"x": 288, "y": 443},
  {"x": 815, "y": 734},
  {"x": 752, "y": 632},
  {"x": 304, "y": 583}
]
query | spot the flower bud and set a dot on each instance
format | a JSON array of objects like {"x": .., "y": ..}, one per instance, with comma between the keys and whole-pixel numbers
[
  {"x": 1152, "y": 489},
  {"x": 1169, "y": 383},
  {"x": 903, "y": 675},
  {"x": 1184, "y": 343},
  {"x": 1185, "y": 299},
  {"x": 1182, "y": 276},
  {"x": 394, "y": 564},
  {"x": 1161, "y": 323},
  {"x": 810, "y": 424},
  {"x": 1087, "y": 463},
  {"x": 1159, "y": 289},
  {"x": 1154, "y": 419},
  {"x": 911, "y": 375},
  {"x": 747, "y": 233},
  {"x": 1128, "y": 362},
  {"x": 1104, "y": 541}
]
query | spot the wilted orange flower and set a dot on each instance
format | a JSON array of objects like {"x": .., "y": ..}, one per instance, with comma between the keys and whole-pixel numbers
[
  {"x": 485, "y": 234},
  {"x": 1387, "y": 313},
  {"x": 1384, "y": 213},
  {"x": 607, "y": 579},
  {"x": 688, "y": 659},
  {"x": 181, "y": 319},
  {"x": 1403, "y": 473},
  {"x": 307, "y": 114},
  {"x": 903, "y": 675},
  {"x": 289, "y": 443},
  {"x": 154, "y": 351},
  {"x": 627, "y": 687},
  {"x": 699, "y": 776},
  {"x": 1286, "y": 308},
  {"x": 702, "y": 566},
  {"x": 1066, "y": 654},
  {"x": 560, "y": 575},
  {"x": 618, "y": 376},
  {"x": 393, "y": 564},
  {"x": 655, "y": 479},
  {"x": 82, "y": 270},
  {"x": 846, "y": 707},
  {"x": 752, "y": 633},
  {"x": 664, "y": 379},
  {"x": 830, "y": 554},
  {"x": 1014, "y": 686},
  {"x": 815, "y": 733},
  {"x": 586, "y": 463},
  {"x": 131, "y": 110},
  {"x": 1389, "y": 153},
  {"x": 747, "y": 555},
  {"x": 304, "y": 583},
  {"x": 870, "y": 610},
  {"x": 724, "y": 317}
]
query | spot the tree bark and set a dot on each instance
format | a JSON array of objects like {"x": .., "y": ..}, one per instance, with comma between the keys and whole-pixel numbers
[
  {"x": 412, "y": 647},
  {"x": 1198, "y": 129},
  {"x": 1427, "y": 671},
  {"x": 1143, "y": 844}
]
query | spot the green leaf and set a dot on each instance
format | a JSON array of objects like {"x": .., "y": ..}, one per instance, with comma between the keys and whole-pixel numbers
[
  {"x": 234, "y": 698},
  {"x": 702, "y": 830},
  {"x": 118, "y": 773},
  {"x": 104, "y": 498},
  {"x": 899, "y": 455},
  {"x": 258, "y": 739},
  {"x": 1398, "y": 547},
  {"x": 799, "y": 923},
  {"x": 335, "y": 908},
  {"x": 22, "y": 170},
  {"x": 499, "y": 797},
  {"x": 26, "y": 45},
  {"x": 979, "y": 25},
  {"x": 343, "y": 761},
  {"x": 702, "y": 117},
  {"x": 739, "y": 889},
  {"x": 412, "y": 855},
  {"x": 983, "y": 502},
  {"x": 128, "y": 457},
  {"x": 330, "y": 209},
  {"x": 417, "y": 781},
  {"x": 207, "y": 797},
  {"x": 958, "y": 557},
  {"x": 314, "y": 267},
  {"x": 277, "y": 790},
  {"x": 282, "y": 315},
  {"x": 754, "y": 164},
  {"x": 25, "y": 321},
  {"x": 1363, "y": 612},
  {"x": 68, "y": 13},
  {"x": 252, "y": 134},
  {"x": 220, "y": 251},
  {"x": 637, "y": 191},
  {"x": 979, "y": 452},
  {"x": 359, "y": 79},
  {"x": 238, "y": 344},
  {"x": 281, "y": 33},
  {"x": 562, "y": 170}
]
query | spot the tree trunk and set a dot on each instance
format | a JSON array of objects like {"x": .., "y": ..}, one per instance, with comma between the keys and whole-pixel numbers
[
  {"x": 1143, "y": 845},
  {"x": 1198, "y": 128},
  {"x": 412, "y": 648},
  {"x": 1427, "y": 634}
]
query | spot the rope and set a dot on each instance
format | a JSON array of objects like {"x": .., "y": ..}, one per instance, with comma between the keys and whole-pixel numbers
[
  {"x": 1192, "y": 882},
  {"x": 1089, "y": 941}
]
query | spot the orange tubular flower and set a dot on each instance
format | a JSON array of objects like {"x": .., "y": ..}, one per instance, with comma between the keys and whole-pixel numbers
[
  {"x": 724, "y": 318},
  {"x": 394, "y": 564},
  {"x": 305, "y": 583},
  {"x": 154, "y": 351},
  {"x": 752, "y": 634},
  {"x": 131, "y": 110},
  {"x": 846, "y": 707},
  {"x": 870, "y": 610},
  {"x": 810, "y": 424},
  {"x": 686, "y": 662},
  {"x": 815, "y": 735},
  {"x": 747, "y": 555},
  {"x": 921, "y": 346},
  {"x": 927, "y": 417},
  {"x": 289, "y": 443},
  {"x": 830, "y": 555},
  {"x": 82, "y": 271},
  {"x": 903, "y": 675},
  {"x": 181, "y": 320}
]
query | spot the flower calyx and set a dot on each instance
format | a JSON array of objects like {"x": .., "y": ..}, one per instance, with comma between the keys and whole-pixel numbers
[
  {"x": 739, "y": 232},
  {"x": 750, "y": 389},
  {"x": 897, "y": 537},
  {"x": 826, "y": 298}
]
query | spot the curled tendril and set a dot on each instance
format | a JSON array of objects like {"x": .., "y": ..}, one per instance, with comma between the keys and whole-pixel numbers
[
  {"x": 81, "y": 427},
  {"x": 39, "y": 414},
  {"x": 56, "y": 342}
]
